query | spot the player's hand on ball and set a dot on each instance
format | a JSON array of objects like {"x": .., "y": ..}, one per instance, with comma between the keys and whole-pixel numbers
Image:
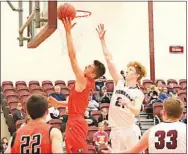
[
  {"x": 101, "y": 31},
  {"x": 67, "y": 22}
]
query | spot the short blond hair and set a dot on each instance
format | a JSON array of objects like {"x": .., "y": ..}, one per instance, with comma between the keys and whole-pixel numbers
[
  {"x": 140, "y": 69},
  {"x": 101, "y": 124},
  {"x": 173, "y": 107}
]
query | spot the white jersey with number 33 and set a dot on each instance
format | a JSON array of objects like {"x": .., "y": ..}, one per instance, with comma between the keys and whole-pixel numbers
[{"x": 168, "y": 138}]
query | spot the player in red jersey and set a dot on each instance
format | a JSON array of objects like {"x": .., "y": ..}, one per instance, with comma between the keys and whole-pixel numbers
[
  {"x": 77, "y": 127},
  {"x": 36, "y": 136}
]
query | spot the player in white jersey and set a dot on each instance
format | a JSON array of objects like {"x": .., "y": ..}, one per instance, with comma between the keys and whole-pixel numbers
[
  {"x": 168, "y": 136},
  {"x": 126, "y": 100}
]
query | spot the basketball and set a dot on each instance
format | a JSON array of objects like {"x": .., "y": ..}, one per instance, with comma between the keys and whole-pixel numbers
[{"x": 66, "y": 10}]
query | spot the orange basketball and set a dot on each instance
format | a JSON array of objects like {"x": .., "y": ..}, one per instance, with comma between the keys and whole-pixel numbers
[{"x": 66, "y": 10}]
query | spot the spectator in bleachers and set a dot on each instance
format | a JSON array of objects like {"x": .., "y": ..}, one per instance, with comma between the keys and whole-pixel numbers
[
  {"x": 92, "y": 105},
  {"x": 153, "y": 96},
  {"x": 64, "y": 117},
  {"x": 63, "y": 129},
  {"x": 103, "y": 96},
  {"x": 4, "y": 142},
  {"x": 174, "y": 93},
  {"x": 164, "y": 94},
  {"x": 100, "y": 137},
  {"x": 58, "y": 95},
  {"x": 99, "y": 83},
  {"x": 90, "y": 119},
  {"x": 104, "y": 117},
  {"x": 159, "y": 84},
  {"x": 18, "y": 114}
]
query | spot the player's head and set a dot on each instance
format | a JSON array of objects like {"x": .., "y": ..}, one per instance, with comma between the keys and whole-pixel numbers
[
  {"x": 37, "y": 106},
  {"x": 57, "y": 89},
  {"x": 101, "y": 127},
  {"x": 95, "y": 70},
  {"x": 135, "y": 71},
  {"x": 172, "y": 109}
]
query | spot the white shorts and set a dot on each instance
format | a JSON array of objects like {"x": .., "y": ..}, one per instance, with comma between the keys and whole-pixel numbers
[{"x": 124, "y": 138}]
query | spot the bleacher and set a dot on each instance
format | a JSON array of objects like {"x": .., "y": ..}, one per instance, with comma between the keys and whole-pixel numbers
[{"x": 18, "y": 92}]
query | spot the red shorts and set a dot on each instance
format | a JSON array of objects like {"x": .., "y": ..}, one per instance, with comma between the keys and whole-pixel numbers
[{"x": 76, "y": 133}]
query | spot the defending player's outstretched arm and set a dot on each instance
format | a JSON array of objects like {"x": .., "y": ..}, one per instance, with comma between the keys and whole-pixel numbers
[
  {"x": 80, "y": 78},
  {"x": 52, "y": 101},
  {"x": 108, "y": 56}
]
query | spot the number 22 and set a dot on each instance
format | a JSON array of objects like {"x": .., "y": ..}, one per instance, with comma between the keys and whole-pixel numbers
[{"x": 35, "y": 142}]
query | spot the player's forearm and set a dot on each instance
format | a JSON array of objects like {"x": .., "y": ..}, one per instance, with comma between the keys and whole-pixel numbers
[
  {"x": 134, "y": 109},
  {"x": 70, "y": 45},
  {"x": 57, "y": 104},
  {"x": 107, "y": 54}
]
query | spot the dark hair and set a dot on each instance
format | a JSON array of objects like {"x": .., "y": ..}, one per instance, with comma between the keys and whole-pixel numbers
[
  {"x": 37, "y": 105},
  {"x": 100, "y": 69}
]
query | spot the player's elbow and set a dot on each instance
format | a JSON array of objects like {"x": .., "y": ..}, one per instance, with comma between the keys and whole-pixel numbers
[{"x": 137, "y": 112}]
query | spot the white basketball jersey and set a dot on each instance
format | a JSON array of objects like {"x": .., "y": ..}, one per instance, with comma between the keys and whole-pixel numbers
[
  {"x": 168, "y": 138},
  {"x": 119, "y": 116}
]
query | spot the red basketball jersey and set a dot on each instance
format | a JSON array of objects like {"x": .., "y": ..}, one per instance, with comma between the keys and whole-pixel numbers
[
  {"x": 78, "y": 101},
  {"x": 32, "y": 138}
]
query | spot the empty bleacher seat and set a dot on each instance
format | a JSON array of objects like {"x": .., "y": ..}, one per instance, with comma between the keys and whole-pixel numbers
[
  {"x": 55, "y": 123},
  {"x": 172, "y": 81},
  {"x": 33, "y": 84},
  {"x": 47, "y": 84},
  {"x": 92, "y": 149},
  {"x": 20, "y": 85},
  {"x": 60, "y": 83},
  {"x": 95, "y": 114},
  {"x": 147, "y": 83},
  {"x": 183, "y": 83},
  {"x": 110, "y": 85},
  {"x": 70, "y": 83},
  {"x": 104, "y": 105},
  {"x": 19, "y": 123},
  {"x": 91, "y": 132}
]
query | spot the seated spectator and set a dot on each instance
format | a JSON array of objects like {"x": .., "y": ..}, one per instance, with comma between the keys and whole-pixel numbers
[
  {"x": 27, "y": 120},
  {"x": 159, "y": 84},
  {"x": 18, "y": 114},
  {"x": 153, "y": 97},
  {"x": 164, "y": 94},
  {"x": 53, "y": 113},
  {"x": 90, "y": 119},
  {"x": 63, "y": 129},
  {"x": 174, "y": 93},
  {"x": 103, "y": 96},
  {"x": 92, "y": 105},
  {"x": 104, "y": 117},
  {"x": 58, "y": 95},
  {"x": 100, "y": 137},
  {"x": 64, "y": 118},
  {"x": 99, "y": 83},
  {"x": 4, "y": 142}
]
